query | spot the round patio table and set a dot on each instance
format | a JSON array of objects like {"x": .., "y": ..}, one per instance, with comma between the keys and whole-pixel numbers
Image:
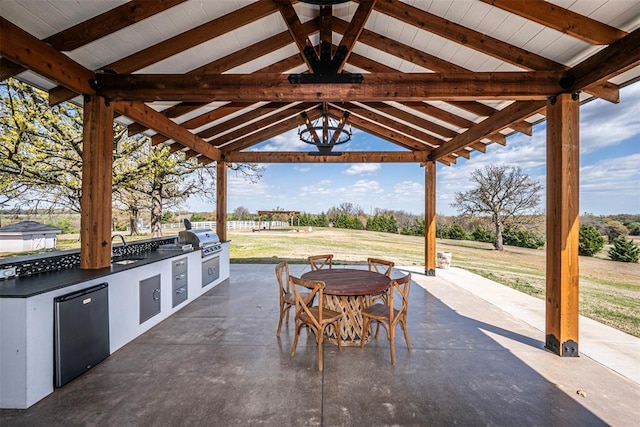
[{"x": 348, "y": 291}]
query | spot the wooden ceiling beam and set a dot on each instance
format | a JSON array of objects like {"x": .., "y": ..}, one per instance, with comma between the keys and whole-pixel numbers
[
  {"x": 95, "y": 28},
  {"x": 385, "y": 128},
  {"x": 439, "y": 114},
  {"x": 465, "y": 36},
  {"x": 299, "y": 36},
  {"x": 354, "y": 29},
  {"x": 412, "y": 119},
  {"x": 536, "y": 85},
  {"x": 258, "y": 125},
  {"x": 403, "y": 51},
  {"x": 154, "y": 120},
  {"x": 616, "y": 58},
  {"x": 34, "y": 54},
  {"x": 179, "y": 43},
  {"x": 344, "y": 157},
  {"x": 498, "y": 121},
  {"x": 561, "y": 19},
  {"x": 264, "y": 134},
  {"x": 480, "y": 42}
]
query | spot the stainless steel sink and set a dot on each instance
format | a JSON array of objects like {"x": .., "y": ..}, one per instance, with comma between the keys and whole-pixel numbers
[{"x": 127, "y": 261}]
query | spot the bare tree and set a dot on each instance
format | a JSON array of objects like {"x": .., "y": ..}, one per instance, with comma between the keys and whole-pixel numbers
[{"x": 501, "y": 192}]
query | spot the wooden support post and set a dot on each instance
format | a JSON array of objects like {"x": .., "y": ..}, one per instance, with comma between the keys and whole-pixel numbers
[
  {"x": 221, "y": 200},
  {"x": 562, "y": 277},
  {"x": 97, "y": 169},
  {"x": 430, "y": 219}
]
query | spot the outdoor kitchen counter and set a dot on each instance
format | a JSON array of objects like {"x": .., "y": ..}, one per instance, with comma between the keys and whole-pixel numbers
[
  {"x": 25, "y": 287},
  {"x": 27, "y": 312}
]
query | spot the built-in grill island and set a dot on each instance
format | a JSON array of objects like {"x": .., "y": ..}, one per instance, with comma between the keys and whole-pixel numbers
[{"x": 210, "y": 247}]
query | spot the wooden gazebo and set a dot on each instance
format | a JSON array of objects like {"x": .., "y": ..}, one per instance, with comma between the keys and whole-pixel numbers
[{"x": 441, "y": 80}]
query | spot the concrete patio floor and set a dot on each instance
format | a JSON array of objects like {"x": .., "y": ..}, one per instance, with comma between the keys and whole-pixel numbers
[{"x": 217, "y": 362}]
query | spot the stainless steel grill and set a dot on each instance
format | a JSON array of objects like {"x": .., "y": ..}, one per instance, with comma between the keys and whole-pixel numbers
[{"x": 204, "y": 238}]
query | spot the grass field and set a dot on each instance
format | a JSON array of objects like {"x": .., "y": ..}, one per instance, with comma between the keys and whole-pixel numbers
[{"x": 609, "y": 291}]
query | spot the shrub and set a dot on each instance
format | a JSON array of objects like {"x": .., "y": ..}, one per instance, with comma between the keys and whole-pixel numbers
[
  {"x": 522, "y": 238},
  {"x": 456, "y": 232},
  {"x": 590, "y": 240},
  {"x": 480, "y": 234},
  {"x": 624, "y": 250}
]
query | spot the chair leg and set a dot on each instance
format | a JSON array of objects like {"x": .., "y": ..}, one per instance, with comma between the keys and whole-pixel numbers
[
  {"x": 391, "y": 344},
  {"x": 319, "y": 344},
  {"x": 295, "y": 339},
  {"x": 339, "y": 335},
  {"x": 365, "y": 328},
  {"x": 280, "y": 322},
  {"x": 403, "y": 323}
]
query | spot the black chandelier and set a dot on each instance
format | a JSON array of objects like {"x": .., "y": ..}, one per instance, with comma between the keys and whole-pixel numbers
[{"x": 325, "y": 132}]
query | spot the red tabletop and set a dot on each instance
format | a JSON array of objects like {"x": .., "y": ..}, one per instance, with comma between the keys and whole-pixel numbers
[{"x": 349, "y": 281}]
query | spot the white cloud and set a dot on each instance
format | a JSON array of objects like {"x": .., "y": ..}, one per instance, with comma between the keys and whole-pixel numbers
[
  {"x": 406, "y": 189},
  {"x": 239, "y": 187},
  {"x": 620, "y": 175},
  {"x": 362, "y": 169},
  {"x": 302, "y": 168},
  {"x": 364, "y": 186},
  {"x": 604, "y": 124}
]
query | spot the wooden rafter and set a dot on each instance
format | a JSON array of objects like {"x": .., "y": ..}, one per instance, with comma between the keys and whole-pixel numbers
[
  {"x": 177, "y": 44},
  {"x": 97, "y": 27},
  {"x": 385, "y": 128},
  {"x": 296, "y": 30},
  {"x": 154, "y": 120},
  {"x": 352, "y": 34},
  {"x": 481, "y": 42},
  {"x": 34, "y": 54},
  {"x": 500, "y": 120},
  {"x": 561, "y": 19}
]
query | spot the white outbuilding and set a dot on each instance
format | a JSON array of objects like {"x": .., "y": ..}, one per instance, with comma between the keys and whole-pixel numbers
[{"x": 27, "y": 236}]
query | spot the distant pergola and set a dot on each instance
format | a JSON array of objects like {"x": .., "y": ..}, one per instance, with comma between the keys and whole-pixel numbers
[{"x": 291, "y": 214}]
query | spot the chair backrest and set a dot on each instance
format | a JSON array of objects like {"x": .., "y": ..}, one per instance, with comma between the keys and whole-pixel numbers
[
  {"x": 380, "y": 266},
  {"x": 401, "y": 288},
  {"x": 282, "y": 273},
  {"x": 304, "y": 302},
  {"x": 320, "y": 261}
]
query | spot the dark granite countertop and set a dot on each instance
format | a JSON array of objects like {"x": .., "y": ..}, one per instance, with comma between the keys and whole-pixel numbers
[{"x": 24, "y": 287}]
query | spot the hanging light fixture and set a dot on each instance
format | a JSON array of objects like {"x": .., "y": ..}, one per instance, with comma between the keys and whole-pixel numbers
[{"x": 325, "y": 132}]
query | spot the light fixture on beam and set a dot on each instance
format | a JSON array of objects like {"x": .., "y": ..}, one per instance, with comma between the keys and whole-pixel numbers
[{"x": 325, "y": 132}]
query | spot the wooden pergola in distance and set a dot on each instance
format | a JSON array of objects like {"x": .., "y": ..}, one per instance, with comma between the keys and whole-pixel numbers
[
  {"x": 291, "y": 214},
  {"x": 432, "y": 106}
]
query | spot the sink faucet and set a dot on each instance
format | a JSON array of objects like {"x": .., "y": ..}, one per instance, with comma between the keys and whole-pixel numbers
[{"x": 124, "y": 242}]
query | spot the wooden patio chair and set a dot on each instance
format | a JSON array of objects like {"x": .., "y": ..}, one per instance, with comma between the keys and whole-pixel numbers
[
  {"x": 316, "y": 318},
  {"x": 320, "y": 261},
  {"x": 388, "y": 315},
  {"x": 287, "y": 298},
  {"x": 380, "y": 266}
]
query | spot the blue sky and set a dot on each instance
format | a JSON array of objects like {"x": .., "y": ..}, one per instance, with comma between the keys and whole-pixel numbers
[{"x": 609, "y": 170}]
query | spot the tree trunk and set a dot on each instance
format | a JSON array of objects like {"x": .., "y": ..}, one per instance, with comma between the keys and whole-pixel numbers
[
  {"x": 156, "y": 212},
  {"x": 498, "y": 244},
  {"x": 133, "y": 221}
]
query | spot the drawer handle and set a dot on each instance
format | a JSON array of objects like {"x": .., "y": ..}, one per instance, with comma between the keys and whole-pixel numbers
[
  {"x": 181, "y": 291},
  {"x": 156, "y": 294}
]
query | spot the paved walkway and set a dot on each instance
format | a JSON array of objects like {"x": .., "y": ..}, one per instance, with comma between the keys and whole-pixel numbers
[{"x": 608, "y": 346}]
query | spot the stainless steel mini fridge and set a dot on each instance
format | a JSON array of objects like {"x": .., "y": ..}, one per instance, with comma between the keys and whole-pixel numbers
[{"x": 81, "y": 335}]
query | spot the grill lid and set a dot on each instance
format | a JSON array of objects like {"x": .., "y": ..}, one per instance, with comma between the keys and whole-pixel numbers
[{"x": 198, "y": 237}]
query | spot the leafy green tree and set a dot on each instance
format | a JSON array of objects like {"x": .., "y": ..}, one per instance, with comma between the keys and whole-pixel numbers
[
  {"x": 634, "y": 228},
  {"x": 502, "y": 192},
  {"x": 590, "y": 241},
  {"x": 624, "y": 250}
]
